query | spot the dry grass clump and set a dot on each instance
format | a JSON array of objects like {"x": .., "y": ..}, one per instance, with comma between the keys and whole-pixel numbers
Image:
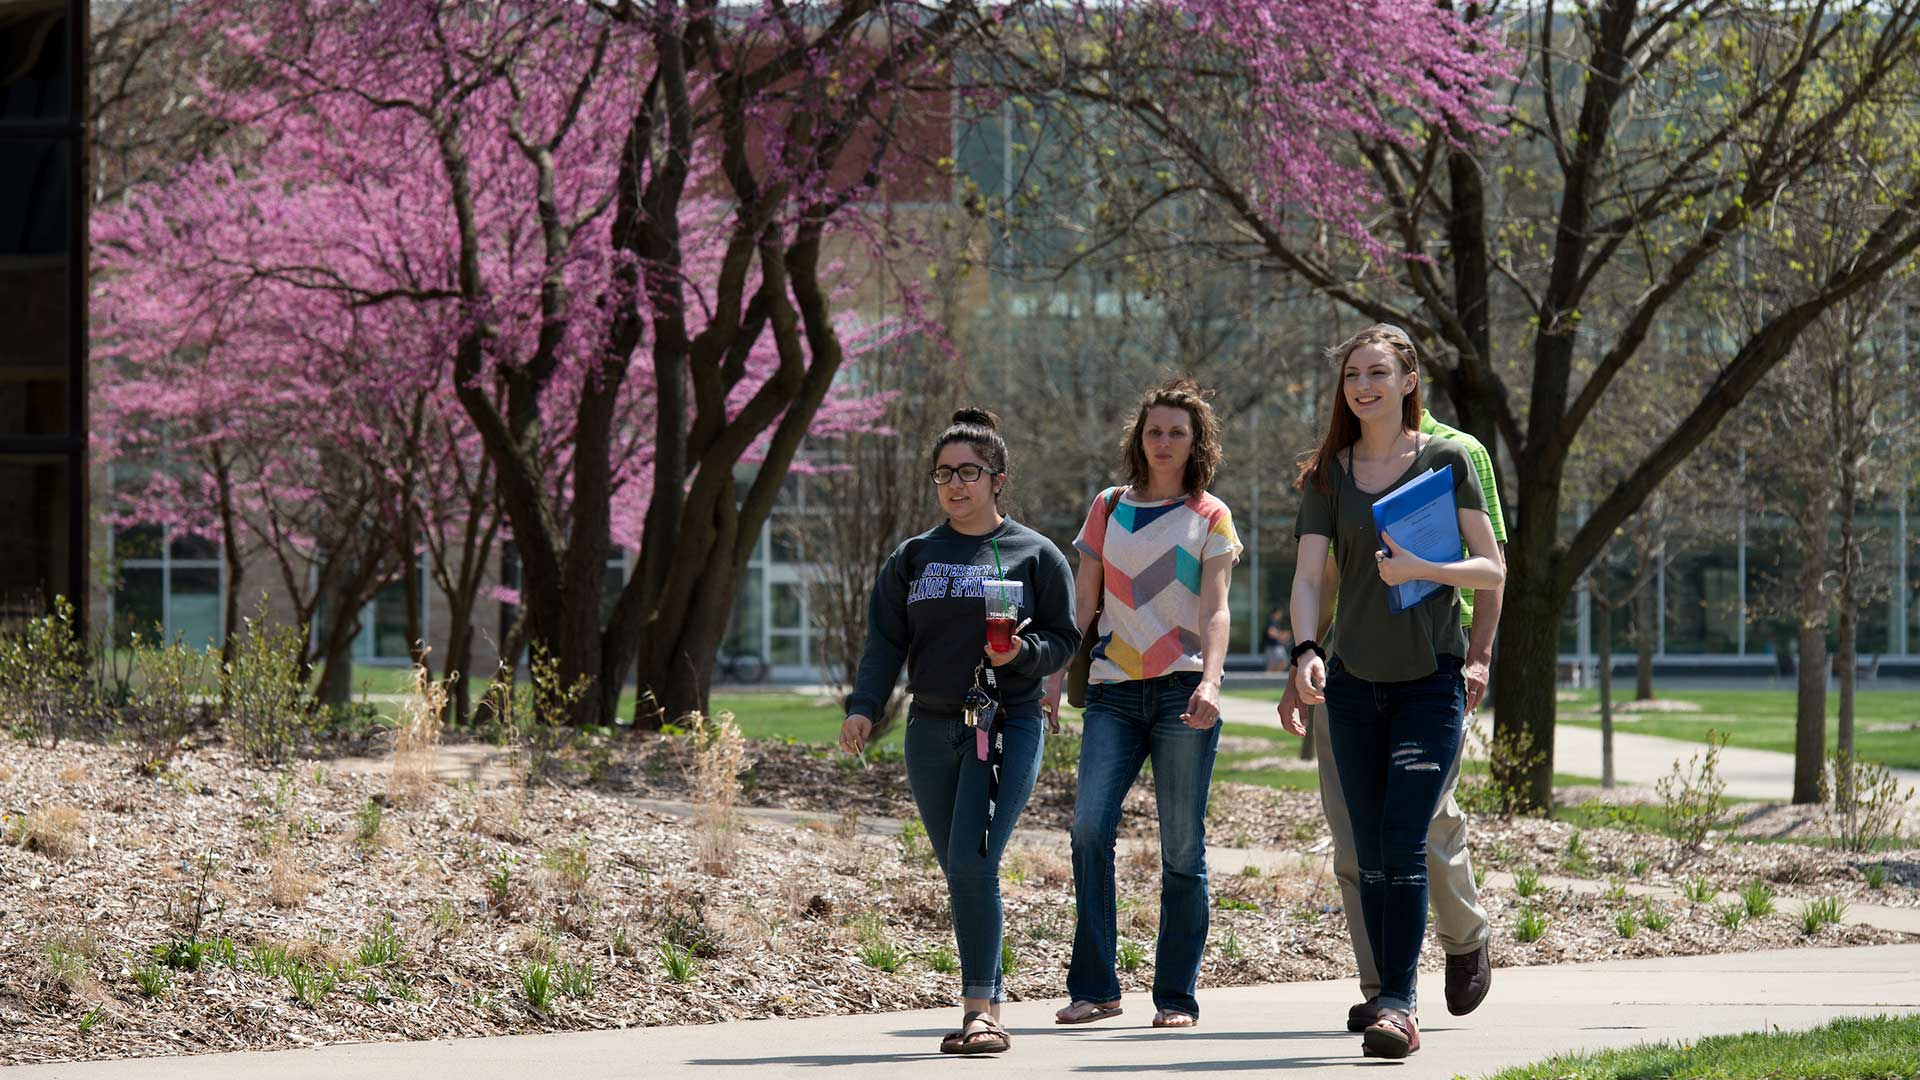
[
  {"x": 416, "y": 741},
  {"x": 287, "y": 885},
  {"x": 58, "y": 832},
  {"x": 713, "y": 774},
  {"x": 73, "y": 774},
  {"x": 68, "y": 964},
  {"x": 6, "y": 772}
]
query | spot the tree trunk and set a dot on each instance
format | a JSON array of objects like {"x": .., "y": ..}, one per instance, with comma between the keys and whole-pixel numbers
[
  {"x": 1524, "y": 712},
  {"x": 1646, "y": 634},
  {"x": 1810, "y": 720},
  {"x": 336, "y": 674},
  {"x": 236, "y": 567},
  {"x": 456, "y": 669},
  {"x": 1849, "y": 624},
  {"x": 1606, "y": 694}
]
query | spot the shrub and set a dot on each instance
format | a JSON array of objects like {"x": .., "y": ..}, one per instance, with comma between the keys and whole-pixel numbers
[
  {"x": 1867, "y": 803},
  {"x": 44, "y": 688},
  {"x": 1757, "y": 899},
  {"x": 161, "y": 708},
  {"x": 1693, "y": 793},
  {"x": 1502, "y": 788},
  {"x": 1060, "y": 753},
  {"x": 1625, "y": 923},
  {"x": 264, "y": 691},
  {"x": 915, "y": 849}
]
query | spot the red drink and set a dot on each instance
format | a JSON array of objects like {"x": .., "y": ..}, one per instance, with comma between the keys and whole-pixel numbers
[{"x": 1000, "y": 633}]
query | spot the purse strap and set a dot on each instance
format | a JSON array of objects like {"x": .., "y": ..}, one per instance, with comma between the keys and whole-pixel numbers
[{"x": 1100, "y": 605}]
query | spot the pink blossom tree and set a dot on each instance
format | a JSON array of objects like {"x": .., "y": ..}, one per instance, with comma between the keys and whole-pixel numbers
[
  {"x": 576, "y": 249},
  {"x": 1645, "y": 144}
]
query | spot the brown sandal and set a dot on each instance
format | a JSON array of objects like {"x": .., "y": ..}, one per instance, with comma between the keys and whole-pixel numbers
[
  {"x": 990, "y": 1038},
  {"x": 1393, "y": 1035}
]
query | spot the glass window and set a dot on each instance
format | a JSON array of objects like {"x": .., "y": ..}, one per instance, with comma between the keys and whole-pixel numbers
[
  {"x": 388, "y": 622},
  {"x": 785, "y": 649},
  {"x": 138, "y": 542},
  {"x": 787, "y": 614},
  {"x": 139, "y": 604},
  {"x": 34, "y": 532},
  {"x": 36, "y": 80},
  {"x": 34, "y": 203},
  {"x": 193, "y": 606},
  {"x": 748, "y": 616}
]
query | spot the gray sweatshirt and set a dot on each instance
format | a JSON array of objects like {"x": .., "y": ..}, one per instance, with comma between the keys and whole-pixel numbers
[{"x": 927, "y": 612}]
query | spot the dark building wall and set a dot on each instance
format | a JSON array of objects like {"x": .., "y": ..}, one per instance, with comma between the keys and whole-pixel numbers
[{"x": 42, "y": 305}]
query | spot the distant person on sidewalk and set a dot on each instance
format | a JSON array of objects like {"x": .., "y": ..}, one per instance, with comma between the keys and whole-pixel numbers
[
  {"x": 974, "y": 726},
  {"x": 1155, "y": 559},
  {"x": 1279, "y": 641},
  {"x": 1395, "y": 685}
]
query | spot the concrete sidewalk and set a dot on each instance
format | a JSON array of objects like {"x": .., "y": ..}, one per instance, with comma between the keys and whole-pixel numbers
[
  {"x": 1297, "y": 1027},
  {"x": 1637, "y": 759}
]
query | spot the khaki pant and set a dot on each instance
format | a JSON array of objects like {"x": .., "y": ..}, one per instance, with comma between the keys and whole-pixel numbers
[{"x": 1458, "y": 917}]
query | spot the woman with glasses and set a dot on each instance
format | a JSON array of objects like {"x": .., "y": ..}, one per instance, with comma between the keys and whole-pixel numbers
[
  {"x": 974, "y": 727},
  {"x": 1156, "y": 556}
]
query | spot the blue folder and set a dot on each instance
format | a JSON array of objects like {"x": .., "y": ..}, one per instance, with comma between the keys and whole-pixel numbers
[{"x": 1424, "y": 521}]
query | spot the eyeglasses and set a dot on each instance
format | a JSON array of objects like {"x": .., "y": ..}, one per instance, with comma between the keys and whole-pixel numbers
[{"x": 968, "y": 474}]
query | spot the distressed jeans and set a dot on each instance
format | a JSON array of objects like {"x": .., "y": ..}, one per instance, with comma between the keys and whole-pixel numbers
[
  {"x": 949, "y": 784},
  {"x": 1394, "y": 745},
  {"x": 1126, "y": 724}
]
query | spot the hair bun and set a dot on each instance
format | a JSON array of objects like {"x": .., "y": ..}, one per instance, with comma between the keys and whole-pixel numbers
[{"x": 979, "y": 417}]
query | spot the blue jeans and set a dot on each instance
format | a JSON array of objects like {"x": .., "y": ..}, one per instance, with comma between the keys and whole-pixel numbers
[
  {"x": 1127, "y": 723},
  {"x": 949, "y": 784},
  {"x": 1394, "y": 745}
]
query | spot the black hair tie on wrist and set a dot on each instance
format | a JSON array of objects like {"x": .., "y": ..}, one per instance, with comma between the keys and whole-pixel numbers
[{"x": 1306, "y": 647}]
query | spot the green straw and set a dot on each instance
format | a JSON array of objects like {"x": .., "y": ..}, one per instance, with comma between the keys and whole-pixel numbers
[{"x": 997, "y": 571}]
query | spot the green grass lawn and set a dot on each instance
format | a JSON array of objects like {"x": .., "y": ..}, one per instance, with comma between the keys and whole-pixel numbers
[
  {"x": 1884, "y": 721},
  {"x": 1753, "y": 719},
  {"x": 1853, "y": 1048}
]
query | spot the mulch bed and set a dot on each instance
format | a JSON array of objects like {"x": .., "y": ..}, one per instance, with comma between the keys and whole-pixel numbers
[{"x": 482, "y": 883}]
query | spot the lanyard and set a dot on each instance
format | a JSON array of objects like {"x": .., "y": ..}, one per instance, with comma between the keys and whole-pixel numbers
[{"x": 989, "y": 737}]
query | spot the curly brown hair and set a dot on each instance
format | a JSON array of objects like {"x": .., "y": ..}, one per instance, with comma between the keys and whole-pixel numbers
[{"x": 1181, "y": 393}]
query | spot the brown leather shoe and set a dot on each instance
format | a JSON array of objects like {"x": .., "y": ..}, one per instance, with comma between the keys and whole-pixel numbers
[
  {"x": 1362, "y": 1016},
  {"x": 1394, "y": 1035},
  {"x": 1469, "y": 977}
]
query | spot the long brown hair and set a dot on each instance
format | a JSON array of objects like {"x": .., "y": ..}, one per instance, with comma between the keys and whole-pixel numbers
[
  {"x": 1343, "y": 428},
  {"x": 1205, "y": 458}
]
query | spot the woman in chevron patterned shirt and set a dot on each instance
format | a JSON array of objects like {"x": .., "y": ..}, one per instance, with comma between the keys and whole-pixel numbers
[{"x": 1156, "y": 557}]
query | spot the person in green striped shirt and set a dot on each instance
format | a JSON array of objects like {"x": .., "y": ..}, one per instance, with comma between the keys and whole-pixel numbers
[{"x": 1459, "y": 919}]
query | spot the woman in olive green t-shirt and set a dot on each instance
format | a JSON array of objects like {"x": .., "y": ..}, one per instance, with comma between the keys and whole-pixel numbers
[{"x": 1391, "y": 682}]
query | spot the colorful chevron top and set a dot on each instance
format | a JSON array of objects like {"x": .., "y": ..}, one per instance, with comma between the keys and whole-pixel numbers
[{"x": 1150, "y": 555}]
